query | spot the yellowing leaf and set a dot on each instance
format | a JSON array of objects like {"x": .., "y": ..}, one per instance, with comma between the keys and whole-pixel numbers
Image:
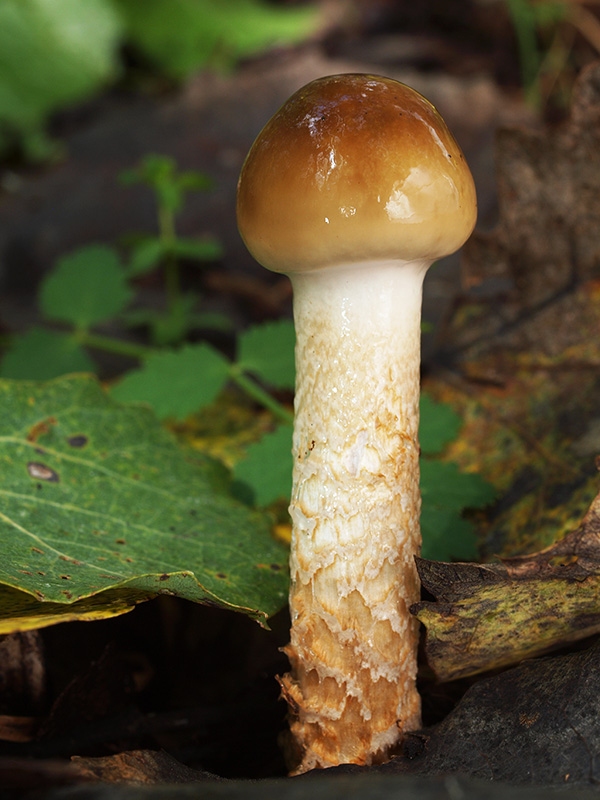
[
  {"x": 20, "y": 611},
  {"x": 491, "y": 615}
]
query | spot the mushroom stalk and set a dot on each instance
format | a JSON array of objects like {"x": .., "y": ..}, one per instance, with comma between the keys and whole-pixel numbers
[
  {"x": 355, "y": 511},
  {"x": 353, "y": 188}
]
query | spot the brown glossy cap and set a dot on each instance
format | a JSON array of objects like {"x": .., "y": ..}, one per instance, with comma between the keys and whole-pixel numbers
[{"x": 354, "y": 168}]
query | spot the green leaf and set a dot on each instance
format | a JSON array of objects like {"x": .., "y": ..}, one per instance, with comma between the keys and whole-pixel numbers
[
  {"x": 170, "y": 186},
  {"x": 41, "y": 354},
  {"x": 446, "y": 535},
  {"x": 148, "y": 253},
  {"x": 168, "y": 327},
  {"x": 268, "y": 351},
  {"x": 152, "y": 170},
  {"x": 159, "y": 173},
  {"x": 52, "y": 54},
  {"x": 549, "y": 13},
  {"x": 175, "y": 384},
  {"x": 172, "y": 326},
  {"x": 267, "y": 466},
  {"x": 446, "y": 492},
  {"x": 138, "y": 317},
  {"x": 439, "y": 425},
  {"x": 210, "y": 31},
  {"x": 86, "y": 287},
  {"x": 212, "y": 321},
  {"x": 145, "y": 256},
  {"x": 452, "y": 488},
  {"x": 98, "y": 498},
  {"x": 194, "y": 181},
  {"x": 206, "y": 249}
]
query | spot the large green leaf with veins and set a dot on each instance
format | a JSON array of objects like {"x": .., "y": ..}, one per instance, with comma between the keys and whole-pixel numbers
[{"x": 100, "y": 508}]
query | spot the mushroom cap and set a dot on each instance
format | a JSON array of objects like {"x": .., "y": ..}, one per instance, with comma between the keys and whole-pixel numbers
[{"x": 354, "y": 168}]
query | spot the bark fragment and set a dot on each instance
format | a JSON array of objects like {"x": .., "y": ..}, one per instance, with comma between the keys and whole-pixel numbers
[{"x": 492, "y": 615}]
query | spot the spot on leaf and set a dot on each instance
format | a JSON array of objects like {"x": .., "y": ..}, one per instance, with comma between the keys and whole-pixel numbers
[
  {"x": 42, "y": 472},
  {"x": 79, "y": 440},
  {"x": 40, "y": 428}
]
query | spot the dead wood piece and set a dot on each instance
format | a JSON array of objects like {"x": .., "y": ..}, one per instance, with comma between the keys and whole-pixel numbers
[
  {"x": 137, "y": 767},
  {"x": 493, "y": 615}
]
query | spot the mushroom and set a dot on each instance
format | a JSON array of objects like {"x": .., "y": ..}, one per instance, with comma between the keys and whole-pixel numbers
[{"x": 353, "y": 188}]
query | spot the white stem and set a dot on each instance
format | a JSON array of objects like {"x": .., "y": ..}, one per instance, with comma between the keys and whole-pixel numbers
[{"x": 355, "y": 511}]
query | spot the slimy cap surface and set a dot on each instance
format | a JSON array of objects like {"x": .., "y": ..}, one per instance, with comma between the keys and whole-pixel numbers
[{"x": 354, "y": 168}]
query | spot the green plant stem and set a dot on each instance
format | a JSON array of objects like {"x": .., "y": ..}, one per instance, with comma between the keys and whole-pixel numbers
[
  {"x": 258, "y": 394},
  {"x": 523, "y": 21},
  {"x": 117, "y": 346},
  {"x": 140, "y": 352},
  {"x": 166, "y": 224}
]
